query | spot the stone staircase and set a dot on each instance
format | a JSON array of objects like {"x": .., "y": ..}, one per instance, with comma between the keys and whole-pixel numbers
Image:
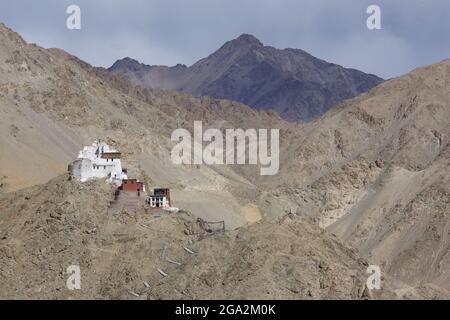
[{"x": 128, "y": 201}]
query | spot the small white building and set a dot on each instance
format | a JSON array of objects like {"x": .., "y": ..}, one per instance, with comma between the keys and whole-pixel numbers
[
  {"x": 98, "y": 161},
  {"x": 160, "y": 199}
]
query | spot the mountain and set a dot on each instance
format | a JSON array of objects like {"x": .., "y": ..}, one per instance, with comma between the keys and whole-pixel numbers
[
  {"x": 291, "y": 82},
  {"x": 53, "y": 104},
  {"x": 375, "y": 172},
  {"x": 367, "y": 183},
  {"x": 63, "y": 222}
]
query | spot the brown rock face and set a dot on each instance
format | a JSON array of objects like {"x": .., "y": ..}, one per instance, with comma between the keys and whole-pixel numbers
[
  {"x": 374, "y": 171},
  {"x": 291, "y": 82}
]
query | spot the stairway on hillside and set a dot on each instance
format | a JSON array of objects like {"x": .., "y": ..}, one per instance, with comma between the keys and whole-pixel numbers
[{"x": 129, "y": 201}]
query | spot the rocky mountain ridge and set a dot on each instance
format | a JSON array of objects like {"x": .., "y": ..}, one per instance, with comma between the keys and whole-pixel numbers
[{"x": 290, "y": 82}]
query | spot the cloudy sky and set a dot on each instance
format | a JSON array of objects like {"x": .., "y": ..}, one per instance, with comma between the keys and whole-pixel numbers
[{"x": 167, "y": 32}]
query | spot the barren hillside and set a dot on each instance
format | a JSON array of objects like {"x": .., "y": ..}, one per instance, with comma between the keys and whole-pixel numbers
[
  {"x": 53, "y": 104},
  {"x": 291, "y": 82},
  {"x": 46, "y": 228},
  {"x": 374, "y": 171}
]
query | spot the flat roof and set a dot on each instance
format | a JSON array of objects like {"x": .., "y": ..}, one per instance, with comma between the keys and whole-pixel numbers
[{"x": 111, "y": 155}]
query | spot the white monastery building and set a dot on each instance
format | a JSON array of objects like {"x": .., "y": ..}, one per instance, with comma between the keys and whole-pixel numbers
[{"x": 98, "y": 161}]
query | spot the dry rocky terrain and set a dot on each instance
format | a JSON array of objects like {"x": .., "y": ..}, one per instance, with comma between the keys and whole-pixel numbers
[
  {"x": 372, "y": 174},
  {"x": 290, "y": 81},
  {"x": 45, "y": 229}
]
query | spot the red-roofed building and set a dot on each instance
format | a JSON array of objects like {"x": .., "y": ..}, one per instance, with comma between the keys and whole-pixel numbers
[{"x": 132, "y": 185}]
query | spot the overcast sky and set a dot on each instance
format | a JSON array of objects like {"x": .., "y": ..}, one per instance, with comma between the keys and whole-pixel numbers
[{"x": 166, "y": 32}]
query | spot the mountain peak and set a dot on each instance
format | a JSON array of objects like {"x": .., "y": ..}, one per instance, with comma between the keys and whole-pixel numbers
[
  {"x": 126, "y": 63},
  {"x": 289, "y": 81},
  {"x": 246, "y": 38}
]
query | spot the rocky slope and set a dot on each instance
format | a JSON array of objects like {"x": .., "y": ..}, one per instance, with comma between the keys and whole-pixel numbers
[
  {"x": 45, "y": 229},
  {"x": 374, "y": 171},
  {"x": 53, "y": 104},
  {"x": 291, "y": 82}
]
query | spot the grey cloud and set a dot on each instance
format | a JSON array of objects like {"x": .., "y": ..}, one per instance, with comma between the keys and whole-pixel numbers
[{"x": 183, "y": 31}]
